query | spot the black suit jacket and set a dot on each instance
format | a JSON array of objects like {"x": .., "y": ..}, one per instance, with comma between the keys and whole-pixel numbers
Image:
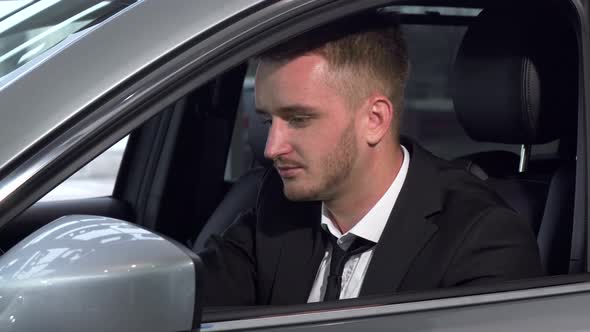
[{"x": 446, "y": 229}]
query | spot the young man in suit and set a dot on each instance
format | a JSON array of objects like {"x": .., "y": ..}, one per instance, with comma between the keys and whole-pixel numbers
[{"x": 350, "y": 209}]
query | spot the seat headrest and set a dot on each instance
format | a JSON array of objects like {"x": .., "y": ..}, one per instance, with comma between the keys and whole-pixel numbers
[{"x": 515, "y": 77}]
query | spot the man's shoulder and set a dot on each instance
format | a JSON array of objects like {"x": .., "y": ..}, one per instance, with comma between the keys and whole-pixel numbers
[
  {"x": 468, "y": 202},
  {"x": 462, "y": 186},
  {"x": 462, "y": 192}
]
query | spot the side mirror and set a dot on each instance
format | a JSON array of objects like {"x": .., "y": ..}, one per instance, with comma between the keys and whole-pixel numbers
[{"x": 89, "y": 273}]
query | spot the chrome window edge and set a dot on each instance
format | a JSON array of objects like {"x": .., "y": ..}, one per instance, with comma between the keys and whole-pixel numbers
[
  {"x": 391, "y": 309},
  {"x": 189, "y": 64}
]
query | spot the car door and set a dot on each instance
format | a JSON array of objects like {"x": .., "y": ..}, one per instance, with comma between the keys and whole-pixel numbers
[{"x": 188, "y": 82}]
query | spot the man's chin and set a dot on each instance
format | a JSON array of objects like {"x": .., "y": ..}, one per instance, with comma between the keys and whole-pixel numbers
[{"x": 298, "y": 194}]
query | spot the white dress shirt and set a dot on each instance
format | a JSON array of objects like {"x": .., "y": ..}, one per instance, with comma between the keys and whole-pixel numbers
[{"x": 370, "y": 228}]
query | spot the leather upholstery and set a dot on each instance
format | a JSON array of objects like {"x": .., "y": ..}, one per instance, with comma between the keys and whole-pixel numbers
[
  {"x": 555, "y": 233},
  {"x": 490, "y": 159},
  {"x": 515, "y": 82},
  {"x": 512, "y": 80}
]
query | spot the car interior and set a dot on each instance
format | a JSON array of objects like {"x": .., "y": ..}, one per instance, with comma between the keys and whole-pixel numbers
[{"x": 494, "y": 88}]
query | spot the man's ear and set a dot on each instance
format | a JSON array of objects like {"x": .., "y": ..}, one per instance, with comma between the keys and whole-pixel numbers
[{"x": 380, "y": 114}]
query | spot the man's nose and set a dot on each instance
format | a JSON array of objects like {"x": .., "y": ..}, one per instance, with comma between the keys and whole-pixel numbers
[{"x": 276, "y": 143}]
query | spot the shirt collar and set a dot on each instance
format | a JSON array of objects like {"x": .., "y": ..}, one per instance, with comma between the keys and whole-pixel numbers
[{"x": 371, "y": 226}]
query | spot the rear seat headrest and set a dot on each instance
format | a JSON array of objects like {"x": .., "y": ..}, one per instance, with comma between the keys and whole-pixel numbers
[{"x": 515, "y": 77}]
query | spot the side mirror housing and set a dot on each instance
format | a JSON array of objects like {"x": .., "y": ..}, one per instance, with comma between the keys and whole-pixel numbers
[{"x": 89, "y": 273}]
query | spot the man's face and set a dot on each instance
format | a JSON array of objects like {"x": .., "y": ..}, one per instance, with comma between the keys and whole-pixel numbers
[{"x": 313, "y": 138}]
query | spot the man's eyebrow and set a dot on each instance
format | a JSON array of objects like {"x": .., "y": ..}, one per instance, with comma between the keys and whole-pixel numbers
[{"x": 289, "y": 110}]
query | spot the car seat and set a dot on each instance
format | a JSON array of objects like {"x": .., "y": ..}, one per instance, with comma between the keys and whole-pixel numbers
[{"x": 515, "y": 82}]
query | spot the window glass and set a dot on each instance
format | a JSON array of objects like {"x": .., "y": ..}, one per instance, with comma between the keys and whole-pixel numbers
[
  {"x": 96, "y": 179},
  {"x": 29, "y": 28}
]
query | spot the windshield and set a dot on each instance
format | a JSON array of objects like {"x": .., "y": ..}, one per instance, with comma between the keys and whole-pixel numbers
[{"x": 28, "y": 28}]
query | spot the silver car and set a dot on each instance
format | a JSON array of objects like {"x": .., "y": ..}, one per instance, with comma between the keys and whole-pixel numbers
[{"x": 173, "y": 79}]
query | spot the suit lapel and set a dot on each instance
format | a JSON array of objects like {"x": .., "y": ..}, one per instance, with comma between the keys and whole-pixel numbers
[
  {"x": 296, "y": 233},
  {"x": 408, "y": 228},
  {"x": 302, "y": 251}
]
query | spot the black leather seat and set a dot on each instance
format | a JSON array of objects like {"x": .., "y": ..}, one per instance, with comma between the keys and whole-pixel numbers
[{"x": 515, "y": 82}]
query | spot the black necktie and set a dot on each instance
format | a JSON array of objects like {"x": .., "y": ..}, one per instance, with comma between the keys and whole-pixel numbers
[{"x": 337, "y": 262}]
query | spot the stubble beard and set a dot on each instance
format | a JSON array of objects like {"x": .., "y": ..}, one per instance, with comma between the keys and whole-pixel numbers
[{"x": 335, "y": 167}]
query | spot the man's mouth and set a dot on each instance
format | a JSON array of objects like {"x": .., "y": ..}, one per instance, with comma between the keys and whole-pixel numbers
[{"x": 288, "y": 172}]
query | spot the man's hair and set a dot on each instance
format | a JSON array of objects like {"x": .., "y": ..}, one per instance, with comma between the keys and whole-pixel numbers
[{"x": 368, "y": 48}]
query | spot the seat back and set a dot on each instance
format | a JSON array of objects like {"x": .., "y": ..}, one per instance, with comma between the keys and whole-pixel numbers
[{"x": 515, "y": 82}]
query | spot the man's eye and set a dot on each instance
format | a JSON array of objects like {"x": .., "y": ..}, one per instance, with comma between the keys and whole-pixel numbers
[{"x": 298, "y": 121}]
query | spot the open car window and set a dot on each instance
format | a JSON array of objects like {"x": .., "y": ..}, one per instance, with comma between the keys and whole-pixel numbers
[{"x": 434, "y": 35}]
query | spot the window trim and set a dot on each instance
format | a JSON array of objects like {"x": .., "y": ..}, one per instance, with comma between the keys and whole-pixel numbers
[{"x": 402, "y": 303}]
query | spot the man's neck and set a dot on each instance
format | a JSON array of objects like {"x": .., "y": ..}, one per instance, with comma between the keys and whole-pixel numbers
[{"x": 349, "y": 208}]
